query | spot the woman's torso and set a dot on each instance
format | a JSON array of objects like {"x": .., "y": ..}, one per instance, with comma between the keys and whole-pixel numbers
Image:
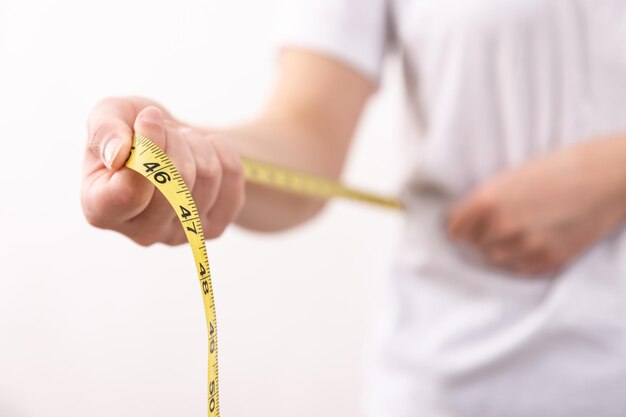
[{"x": 491, "y": 84}]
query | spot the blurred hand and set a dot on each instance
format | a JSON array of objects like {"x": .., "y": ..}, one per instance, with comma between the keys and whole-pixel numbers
[
  {"x": 115, "y": 197},
  {"x": 536, "y": 219}
]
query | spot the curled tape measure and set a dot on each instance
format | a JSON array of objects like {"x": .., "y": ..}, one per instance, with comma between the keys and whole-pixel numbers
[{"x": 150, "y": 161}]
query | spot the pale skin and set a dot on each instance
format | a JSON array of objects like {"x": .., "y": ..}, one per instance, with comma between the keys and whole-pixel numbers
[
  {"x": 532, "y": 220},
  {"x": 305, "y": 124},
  {"x": 536, "y": 219}
]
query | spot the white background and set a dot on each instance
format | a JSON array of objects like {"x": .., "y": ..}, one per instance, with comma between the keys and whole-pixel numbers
[{"x": 93, "y": 325}]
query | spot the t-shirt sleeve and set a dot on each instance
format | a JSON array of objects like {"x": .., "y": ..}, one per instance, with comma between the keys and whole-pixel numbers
[{"x": 352, "y": 31}]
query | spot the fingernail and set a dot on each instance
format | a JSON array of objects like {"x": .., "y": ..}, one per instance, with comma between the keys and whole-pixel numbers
[{"x": 110, "y": 151}]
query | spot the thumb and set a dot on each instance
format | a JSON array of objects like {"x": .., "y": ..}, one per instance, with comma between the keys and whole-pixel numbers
[
  {"x": 110, "y": 133},
  {"x": 110, "y": 130},
  {"x": 111, "y": 199}
]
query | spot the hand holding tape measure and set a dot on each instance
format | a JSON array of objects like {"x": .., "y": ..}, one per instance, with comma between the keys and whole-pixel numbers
[{"x": 149, "y": 160}]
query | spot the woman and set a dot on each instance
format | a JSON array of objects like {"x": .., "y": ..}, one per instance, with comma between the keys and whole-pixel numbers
[{"x": 508, "y": 293}]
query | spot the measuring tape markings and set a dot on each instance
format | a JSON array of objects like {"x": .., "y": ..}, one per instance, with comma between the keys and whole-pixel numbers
[
  {"x": 306, "y": 184},
  {"x": 151, "y": 162}
]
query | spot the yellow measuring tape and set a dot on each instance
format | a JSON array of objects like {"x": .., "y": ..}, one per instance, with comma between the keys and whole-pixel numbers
[
  {"x": 150, "y": 161},
  {"x": 306, "y": 184}
]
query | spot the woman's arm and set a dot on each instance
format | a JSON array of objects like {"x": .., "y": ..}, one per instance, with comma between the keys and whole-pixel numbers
[
  {"x": 536, "y": 219},
  {"x": 307, "y": 124}
]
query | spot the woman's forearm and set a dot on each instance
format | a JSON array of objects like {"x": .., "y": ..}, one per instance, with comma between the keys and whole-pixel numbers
[
  {"x": 307, "y": 126},
  {"x": 293, "y": 146}
]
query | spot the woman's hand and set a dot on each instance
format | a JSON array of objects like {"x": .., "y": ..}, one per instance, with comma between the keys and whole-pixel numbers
[
  {"x": 536, "y": 219},
  {"x": 114, "y": 197}
]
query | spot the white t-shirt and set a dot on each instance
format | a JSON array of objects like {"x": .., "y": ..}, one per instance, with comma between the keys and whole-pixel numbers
[{"x": 490, "y": 84}]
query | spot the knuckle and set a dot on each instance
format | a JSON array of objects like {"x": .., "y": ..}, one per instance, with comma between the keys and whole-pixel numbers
[
  {"x": 231, "y": 164},
  {"x": 210, "y": 169},
  {"x": 486, "y": 203},
  {"x": 487, "y": 197},
  {"x": 188, "y": 171},
  {"x": 233, "y": 169},
  {"x": 215, "y": 229}
]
